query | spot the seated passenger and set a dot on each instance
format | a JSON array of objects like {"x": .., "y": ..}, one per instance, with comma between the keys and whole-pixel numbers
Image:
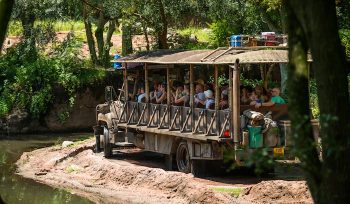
[
  {"x": 155, "y": 92},
  {"x": 141, "y": 96},
  {"x": 209, "y": 102},
  {"x": 163, "y": 96},
  {"x": 199, "y": 97},
  {"x": 224, "y": 100},
  {"x": 182, "y": 95},
  {"x": 244, "y": 96},
  {"x": 254, "y": 98},
  {"x": 261, "y": 93},
  {"x": 275, "y": 99}
]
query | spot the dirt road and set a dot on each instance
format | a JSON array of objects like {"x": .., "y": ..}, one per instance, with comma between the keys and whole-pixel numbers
[{"x": 132, "y": 176}]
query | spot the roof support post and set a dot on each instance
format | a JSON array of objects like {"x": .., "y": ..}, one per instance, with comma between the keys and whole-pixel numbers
[
  {"x": 126, "y": 87},
  {"x": 217, "y": 89},
  {"x": 146, "y": 83},
  {"x": 191, "y": 95},
  {"x": 236, "y": 102},
  {"x": 217, "y": 96},
  {"x": 168, "y": 84},
  {"x": 168, "y": 93},
  {"x": 230, "y": 103}
]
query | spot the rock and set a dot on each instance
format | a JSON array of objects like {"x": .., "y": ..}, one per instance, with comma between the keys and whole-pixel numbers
[{"x": 67, "y": 143}]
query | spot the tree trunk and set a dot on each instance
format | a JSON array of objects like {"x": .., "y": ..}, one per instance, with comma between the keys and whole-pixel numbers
[
  {"x": 316, "y": 25},
  {"x": 144, "y": 28},
  {"x": 27, "y": 20},
  {"x": 111, "y": 29},
  {"x": 126, "y": 39},
  {"x": 299, "y": 110},
  {"x": 89, "y": 36},
  {"x": 5, "y": 14},
  {"x": 99, "y": 36},
  {"x": 162, "y": 34}
]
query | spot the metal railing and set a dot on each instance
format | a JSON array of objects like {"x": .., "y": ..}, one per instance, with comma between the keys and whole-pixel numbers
[{"x": 178, "y": 118}]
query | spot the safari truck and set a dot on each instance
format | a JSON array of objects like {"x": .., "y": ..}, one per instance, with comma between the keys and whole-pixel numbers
[{"x": 187, "y": 134}]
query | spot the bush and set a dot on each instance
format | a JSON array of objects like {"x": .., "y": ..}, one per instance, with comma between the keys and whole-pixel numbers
[
  {"x": 345, "y": 39},
  {"x": 221, "y": 30},
  {"x": 29, "y": 83}
]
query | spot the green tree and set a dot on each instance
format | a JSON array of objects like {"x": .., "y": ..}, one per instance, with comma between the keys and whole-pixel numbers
[
  {"x": 5, "y": 14},
  {"x": 104, "y": 14},
  {"x": 313, "y": 25}
]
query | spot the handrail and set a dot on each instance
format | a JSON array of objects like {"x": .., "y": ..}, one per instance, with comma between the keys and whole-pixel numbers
[
  {"x": 199, "y": 121},
  {"x": 122, "y": 114},
  {"x": 213, "y": 118},
  {"x": 175, "y": 118},
  {"x": 152, "y": 117},
  {"x": 132, "y": 113},
  {"x": 188, "y": 115},
  {"x": 142, "y": 115},
  {"x": 163, "y": 118}
]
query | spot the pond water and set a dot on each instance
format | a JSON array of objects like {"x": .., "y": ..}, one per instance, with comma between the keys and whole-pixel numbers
[{"x": 16, "y": 189}]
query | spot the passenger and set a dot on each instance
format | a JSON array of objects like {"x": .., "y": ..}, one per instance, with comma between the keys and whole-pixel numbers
[
  {"x": 141, "y": 96},
  {"x": 163, "y": 96},
  {"x": 199, "y": 97},
  {"x": 155, "y": 92},
  {"x": 262, "y": 93},
  {"x": 275, "y": 99},
  {"x": 178, "y": 92},
  {"x": 183, "y": 97},
  {"x": 209, "y": 102},
  {"x": 224, "y": 100},
  {"x": 244, "y": 96}
]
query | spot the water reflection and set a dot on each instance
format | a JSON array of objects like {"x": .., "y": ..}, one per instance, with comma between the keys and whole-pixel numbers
[{"x": 15, "y": 189}]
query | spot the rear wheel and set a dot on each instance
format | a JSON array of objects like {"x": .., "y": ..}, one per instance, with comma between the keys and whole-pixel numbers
[
  {"x": 107, "y": 147},
  {"x": 183, "y": 158}
]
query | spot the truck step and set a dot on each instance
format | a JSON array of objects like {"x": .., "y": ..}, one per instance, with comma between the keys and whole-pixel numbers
[{"x": 124, "y": 144}]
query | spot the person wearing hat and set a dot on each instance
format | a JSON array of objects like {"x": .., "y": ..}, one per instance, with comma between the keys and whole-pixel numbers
[
  {"x": 209, "y": 102},
  {"x": 199, "y": 97}
]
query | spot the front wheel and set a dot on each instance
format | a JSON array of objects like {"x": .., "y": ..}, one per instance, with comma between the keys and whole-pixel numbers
[
  {"x": 183, "y": 158},
  {"x": 107, "y": 147}
]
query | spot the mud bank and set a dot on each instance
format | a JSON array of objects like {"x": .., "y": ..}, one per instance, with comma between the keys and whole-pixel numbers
[
  {"x": 120, "y": 180},
  {"x": 105, "y": 181}
]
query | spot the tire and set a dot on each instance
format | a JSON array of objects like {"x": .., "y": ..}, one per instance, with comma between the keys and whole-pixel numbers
[
  {"x": 107, "y": 147},
  {"x": 183, "y": 160},
  {"x": 98, "y": 144},
  {"x": 199, "y": 168}
]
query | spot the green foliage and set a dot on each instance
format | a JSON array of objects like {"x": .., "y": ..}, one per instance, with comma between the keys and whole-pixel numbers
[
  {"x": 234, "y": 192},
  {"x": 250, "y": 82},
  {"x": 345, "y": 39},
  {"x": 29, "y": 83},
  {"x": 203, "y": 35},
  {"x": 261, "y": 160},
  {"x": 221, "y": 30},
  {"x": 314, "y": 99}
]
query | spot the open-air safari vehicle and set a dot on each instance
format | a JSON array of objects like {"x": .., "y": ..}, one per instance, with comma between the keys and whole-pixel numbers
[{"x": 188, "y": 134}]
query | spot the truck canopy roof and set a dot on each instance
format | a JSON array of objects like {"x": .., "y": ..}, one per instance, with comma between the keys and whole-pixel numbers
[{"x": 251, "y": 55}]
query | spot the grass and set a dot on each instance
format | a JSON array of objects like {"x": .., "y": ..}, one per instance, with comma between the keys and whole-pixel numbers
[
  {"x": 72, "y": 168},
  {"x": 202, "y": 34},
  {"x": 15, "y": 27},
  {"x": 233, "y": 191}
]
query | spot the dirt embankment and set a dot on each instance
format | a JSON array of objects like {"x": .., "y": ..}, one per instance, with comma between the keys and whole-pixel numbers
[
  {"x": 105, "y": 181},
  {"x": 124, "y": 180}
]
